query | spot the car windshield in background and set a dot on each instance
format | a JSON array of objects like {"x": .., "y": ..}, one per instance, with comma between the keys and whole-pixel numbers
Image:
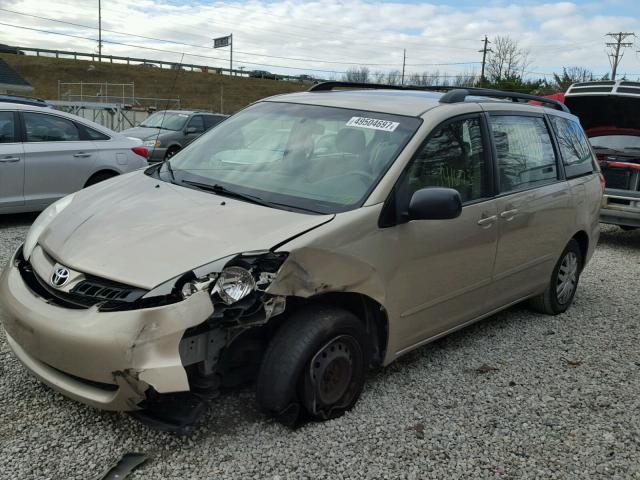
[
  {"x": 616, "y": 142},
  {"x": 306, "y": 157},
  {"x": 166, "y": 120}
]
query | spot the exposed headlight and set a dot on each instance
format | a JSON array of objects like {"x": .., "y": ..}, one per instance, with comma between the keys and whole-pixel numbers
[
  {"x": 42, "y": 222},
  {"x": 153, "y": 142},
  {"x": 234, "y": 283}
]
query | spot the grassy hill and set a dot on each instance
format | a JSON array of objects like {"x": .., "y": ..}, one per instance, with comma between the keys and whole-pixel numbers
[{"x": 194, "y": 89}]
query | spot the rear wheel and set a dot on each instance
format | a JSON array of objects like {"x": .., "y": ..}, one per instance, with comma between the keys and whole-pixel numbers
[
  {"x": 99, "y": 177},
  {"x": 564, "y": 282},
  {"x": 315, "y": 366}
]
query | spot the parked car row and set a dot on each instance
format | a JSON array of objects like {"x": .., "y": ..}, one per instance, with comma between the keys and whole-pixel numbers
[
  {"x": 300, "y": 242},
  {"x": 167, "y": 132}
]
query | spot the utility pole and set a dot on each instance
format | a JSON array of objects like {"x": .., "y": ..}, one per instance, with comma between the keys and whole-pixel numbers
[
  {"x": 404, "y": 59},
  {"x": 484, "y": 52},
  {"x": 99, "y": 30},
  {"x": 616, "y": 55}
]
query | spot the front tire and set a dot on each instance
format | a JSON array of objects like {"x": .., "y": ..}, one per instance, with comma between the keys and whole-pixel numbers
[
  {"x": 315, "y": 366},
  {"x": 558, "y": 296}
]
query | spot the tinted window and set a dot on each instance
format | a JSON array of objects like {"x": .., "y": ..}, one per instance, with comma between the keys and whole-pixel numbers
[
  {"x": 49, "y": 128},
  {"x": 197, "y": 123},
  {"x": 574, "y": 147},
  {"x": 452, "y": 157},
  {"x": 92, "y": 134},
  {"x": 524, "y": 152},
  {"x": 212, "y": 120},
  {"x": 7, "y": 128}
]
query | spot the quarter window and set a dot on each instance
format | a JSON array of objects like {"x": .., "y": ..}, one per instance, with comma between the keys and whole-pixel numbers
[
  {"x": 49, "y": 128},
  {"x": 574, "y": 147},
  {"x": 452, "y": 157},
  {"x": 524, "y": 152},
  {"x": 7, "y": 128}
]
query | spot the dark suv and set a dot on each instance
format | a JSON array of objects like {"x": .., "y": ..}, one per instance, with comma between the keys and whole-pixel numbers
[{"x": 168, "y": 131}]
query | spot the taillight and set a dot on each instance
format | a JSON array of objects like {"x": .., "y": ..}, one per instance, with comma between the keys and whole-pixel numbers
[
  {"x": 142, "y": 151},
  {"x": 603, "y": 184}
]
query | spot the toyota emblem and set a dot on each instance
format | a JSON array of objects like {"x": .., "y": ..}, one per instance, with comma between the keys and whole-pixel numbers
[{"x": 60, "y": 277}]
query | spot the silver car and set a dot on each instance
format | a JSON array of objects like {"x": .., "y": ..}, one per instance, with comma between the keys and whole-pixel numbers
[
  {"x": 47, "y": 154},
  {"x": 301, "y": 241}
]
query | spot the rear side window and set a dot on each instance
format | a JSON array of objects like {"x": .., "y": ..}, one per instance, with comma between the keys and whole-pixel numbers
[
  {"x": 574, "y": 147},
  {"x": 49, "y": 128},
  {"x": 524, "y": 152},
  {"x": 212, "y": 121},
  {"x": 91, "y": 134},
  {"x": 7, "y": 128}
]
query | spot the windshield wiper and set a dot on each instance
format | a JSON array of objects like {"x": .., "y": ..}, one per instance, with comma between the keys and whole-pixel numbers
[{"x": 220, "y": 190}]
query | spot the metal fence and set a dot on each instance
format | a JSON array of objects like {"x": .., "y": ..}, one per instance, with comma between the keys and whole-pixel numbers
[{"x": 106, "y": 92}]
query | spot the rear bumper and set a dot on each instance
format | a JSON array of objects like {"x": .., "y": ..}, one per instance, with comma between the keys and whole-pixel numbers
[
  {"x": 104, "y": 359},
  {"x": 621, "y": 207}
]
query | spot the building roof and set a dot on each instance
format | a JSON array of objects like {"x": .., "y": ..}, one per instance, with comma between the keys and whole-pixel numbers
[{"x": 11, "y": 80}]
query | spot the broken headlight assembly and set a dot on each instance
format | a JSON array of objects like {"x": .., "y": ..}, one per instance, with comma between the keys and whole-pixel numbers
[{"x": 237, "y": 282}]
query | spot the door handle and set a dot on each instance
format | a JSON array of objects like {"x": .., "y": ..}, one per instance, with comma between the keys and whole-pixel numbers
[
  {"x": 487, "y": 221},
  {"x": 81, "y": 155},
  {"x": 509, "y": 214},
  {"x": 9, "y": 159}
]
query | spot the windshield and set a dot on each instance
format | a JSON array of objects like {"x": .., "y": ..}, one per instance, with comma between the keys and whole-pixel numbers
[
  {"x": 306, "y": 157},
  {"x": 616, "y": 142},
  {"x": 166, "y": 120}
]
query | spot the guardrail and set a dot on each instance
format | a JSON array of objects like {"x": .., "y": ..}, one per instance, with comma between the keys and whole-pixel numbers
[{"x": 162, "y": 64}]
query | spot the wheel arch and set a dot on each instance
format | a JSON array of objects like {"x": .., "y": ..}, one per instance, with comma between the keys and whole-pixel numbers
[
  {"x": 583, "y": 241},
  {"x": 366, "y": 309},
  {"x": 103, "y": 171}
]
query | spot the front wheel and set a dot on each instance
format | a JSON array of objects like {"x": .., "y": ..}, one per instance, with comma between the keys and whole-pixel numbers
[
  {"x": 315, "y": 366},
  {"x": 564, "y": 282}
]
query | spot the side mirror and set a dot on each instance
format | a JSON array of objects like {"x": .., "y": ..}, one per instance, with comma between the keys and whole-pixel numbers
[
  {"x": 435, "y": 203},
  {"x": 191, "y": 130}
]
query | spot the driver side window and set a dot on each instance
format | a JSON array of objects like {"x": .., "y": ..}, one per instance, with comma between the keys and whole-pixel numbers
[
  {"x": 196, "y": 122},
  {"x": 453, "y": 157}
]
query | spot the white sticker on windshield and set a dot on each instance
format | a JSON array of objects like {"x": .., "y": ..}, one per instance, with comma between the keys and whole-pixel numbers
[
  {"x": 373, "y": 123},
  {"x": 183, "y": 115}
]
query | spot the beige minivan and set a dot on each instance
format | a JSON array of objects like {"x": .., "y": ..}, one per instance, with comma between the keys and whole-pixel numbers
[{"x": 303, "y": 240}]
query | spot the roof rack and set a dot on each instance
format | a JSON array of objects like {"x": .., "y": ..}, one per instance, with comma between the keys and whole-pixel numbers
[{"x": 452, "y": 95}]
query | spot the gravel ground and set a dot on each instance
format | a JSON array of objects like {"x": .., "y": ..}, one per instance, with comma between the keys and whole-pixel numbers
[{"x": 517, "y": 396}]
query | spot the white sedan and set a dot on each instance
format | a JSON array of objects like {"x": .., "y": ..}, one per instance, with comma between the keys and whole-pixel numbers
[{"x": 46, "y": 154}]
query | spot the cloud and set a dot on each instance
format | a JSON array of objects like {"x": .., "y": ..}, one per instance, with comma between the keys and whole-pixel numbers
[{"x": 329, "y": 36}]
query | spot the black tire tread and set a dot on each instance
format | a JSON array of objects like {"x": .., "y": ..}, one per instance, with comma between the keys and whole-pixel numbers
[{"x": 288, "y": 352}]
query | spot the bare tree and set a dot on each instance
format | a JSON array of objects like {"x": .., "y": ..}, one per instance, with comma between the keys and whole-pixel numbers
[
  {"x": 356, "y": 75},
  {"x": 572, "y": 75},
  {"x": 507, "y": 59}
]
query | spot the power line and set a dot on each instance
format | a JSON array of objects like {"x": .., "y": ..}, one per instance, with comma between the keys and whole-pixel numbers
[
  {"x": 484, "y": 52},
  {"x": 236, "y": 51},
  {"x": 174, "y": 51},
  {"x": 616, "y": 55}
]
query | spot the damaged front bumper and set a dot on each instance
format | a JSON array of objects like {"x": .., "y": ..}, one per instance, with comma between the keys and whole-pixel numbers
[{"x": 108, "y": 360}]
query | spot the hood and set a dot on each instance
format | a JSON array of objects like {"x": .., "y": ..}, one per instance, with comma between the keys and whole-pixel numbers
[
  {"x": 142, "y": 132},
  {"x": 609, "y": 111},
  {"x": 140, "y": 231}
]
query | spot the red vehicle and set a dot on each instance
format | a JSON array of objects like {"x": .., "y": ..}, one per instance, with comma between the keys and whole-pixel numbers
[{"x": 610, "y": 115}]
